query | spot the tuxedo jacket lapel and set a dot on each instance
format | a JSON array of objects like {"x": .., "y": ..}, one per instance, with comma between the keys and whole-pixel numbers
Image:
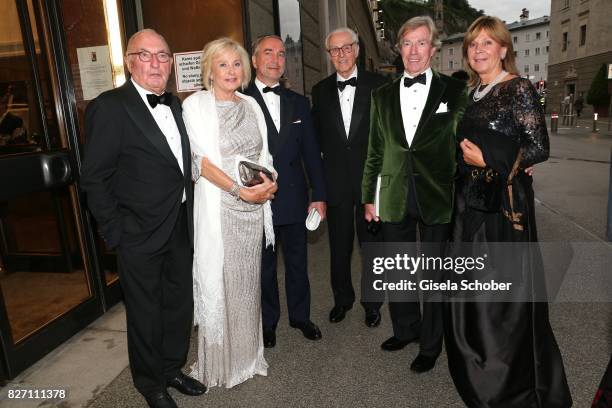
[
  {"x": 178, "y": 118},
  {"x": 136, "y": 109},
  {"x": 436, "y": 90},
  {"x": 395, "y": 114},
  {"x": 336, "y": 111},
  {"x": 272, "y": 132},
  {"x": 360, "y": 103},
  {"x": 286, "y": 117}
]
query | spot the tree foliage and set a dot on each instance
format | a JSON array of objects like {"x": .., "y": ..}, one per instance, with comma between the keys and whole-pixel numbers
[
  {"x": 598, "y": 92},
  {"x": 458, "y": 14}
]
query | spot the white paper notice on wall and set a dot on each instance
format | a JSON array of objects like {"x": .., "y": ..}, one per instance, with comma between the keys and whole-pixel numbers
[
  {"x": 95, "y": 70},
  {"x": 187, "y": 69}
]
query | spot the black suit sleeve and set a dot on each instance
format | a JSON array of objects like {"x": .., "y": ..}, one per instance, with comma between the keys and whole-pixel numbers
[
  {"x": 312, "y": 155},
  {"x": 102, "y": 150}
]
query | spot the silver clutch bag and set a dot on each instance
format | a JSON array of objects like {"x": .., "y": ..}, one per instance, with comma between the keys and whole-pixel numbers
[{"x": 249, "y": 173}]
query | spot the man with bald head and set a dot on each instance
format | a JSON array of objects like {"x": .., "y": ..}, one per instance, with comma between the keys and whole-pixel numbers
[{"x": 137, "y": 176}]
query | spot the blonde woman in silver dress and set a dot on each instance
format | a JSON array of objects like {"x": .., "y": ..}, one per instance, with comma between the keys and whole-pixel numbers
[{"x": 224, "y": 127}]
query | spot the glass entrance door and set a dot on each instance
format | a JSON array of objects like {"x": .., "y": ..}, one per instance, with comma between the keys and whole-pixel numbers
[
  {"x": 95, "y": 65},
  {"x": 47, "y": 290}
]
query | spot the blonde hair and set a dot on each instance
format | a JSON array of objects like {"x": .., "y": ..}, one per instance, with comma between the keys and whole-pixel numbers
[
  {"x": 497, "y": 30},
  {"x": 416, "y": 22},
  {"x": 212, "y": 49}
]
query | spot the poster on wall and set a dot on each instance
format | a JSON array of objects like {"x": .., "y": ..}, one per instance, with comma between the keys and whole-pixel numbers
[
  {"x": 96, "y": 71},
  {"x": 187, "y": 69}
]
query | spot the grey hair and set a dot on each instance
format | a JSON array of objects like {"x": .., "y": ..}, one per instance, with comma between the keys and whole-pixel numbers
[
  {"x": 258, "y": 41},
  {"x": 352, "y": 33},
  {"x": 420, "y": 21}
]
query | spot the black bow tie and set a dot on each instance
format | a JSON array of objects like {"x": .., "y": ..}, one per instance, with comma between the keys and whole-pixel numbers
[
  {"x": 164, "y": 99},
  {"x": 351, "y": 81},
  {"x": 421, "y": 79},
  {"x": 276, "y": 89}
]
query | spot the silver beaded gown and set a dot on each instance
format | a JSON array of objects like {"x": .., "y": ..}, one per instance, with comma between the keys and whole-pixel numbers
[{"x": 241, "y": 355}]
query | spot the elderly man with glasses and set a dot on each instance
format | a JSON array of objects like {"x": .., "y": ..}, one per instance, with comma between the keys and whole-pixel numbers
[
  {"x": 341, "y": 109},
  {"x": 137, "y": 176}
]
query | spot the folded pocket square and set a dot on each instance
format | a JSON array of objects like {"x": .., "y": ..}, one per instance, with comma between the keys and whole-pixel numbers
[
  {"x": 442, "y": 108},
  {"x": 297, "y": 121}
]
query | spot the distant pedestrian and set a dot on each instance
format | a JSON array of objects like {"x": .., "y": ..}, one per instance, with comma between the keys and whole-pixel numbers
[
  {"x": 578, "y": 105},
  {"x": 567, "y": 103}
]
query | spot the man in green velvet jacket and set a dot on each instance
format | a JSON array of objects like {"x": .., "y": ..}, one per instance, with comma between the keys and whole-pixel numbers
[{"x": 410, "y": 170}]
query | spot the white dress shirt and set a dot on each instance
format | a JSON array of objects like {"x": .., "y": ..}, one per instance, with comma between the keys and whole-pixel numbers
[
  {"x": 347, "y": 97},
  {"x": 412, "y": 102},
  {"x": 272, "y": 101},
  {"x": 166, "y": 123}
]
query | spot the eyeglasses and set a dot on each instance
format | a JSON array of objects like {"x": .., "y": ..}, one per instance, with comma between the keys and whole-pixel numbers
[
  {"x": 146, "y": 56},
  {"x": 346, "y": 49}
]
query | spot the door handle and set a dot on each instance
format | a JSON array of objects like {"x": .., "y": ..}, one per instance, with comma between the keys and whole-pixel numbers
[
  {"x": 56, "y": 169},
  {"x": 32, "y": 172}
]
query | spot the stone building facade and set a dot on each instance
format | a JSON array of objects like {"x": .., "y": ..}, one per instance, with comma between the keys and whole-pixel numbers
[
  {"x": 530, "y": 40},
  {"x": 317, "y": 18},
  {"x": 581, "y": 41}
]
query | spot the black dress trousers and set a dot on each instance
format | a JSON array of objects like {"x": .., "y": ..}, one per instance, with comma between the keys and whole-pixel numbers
[{"x": 158, "y": 293}]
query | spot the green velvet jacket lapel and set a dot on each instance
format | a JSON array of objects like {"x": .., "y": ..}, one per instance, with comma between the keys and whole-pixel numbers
[{"x": 436, "y": 90}]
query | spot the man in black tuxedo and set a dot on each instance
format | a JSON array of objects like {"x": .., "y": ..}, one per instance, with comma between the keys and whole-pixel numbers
[
  {"x": 293, "y": 146},
  {"x": 341, "y": 114},
  {"x": 137, "y": 176}
]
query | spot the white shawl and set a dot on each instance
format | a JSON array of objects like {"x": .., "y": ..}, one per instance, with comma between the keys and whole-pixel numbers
[{"x": 200, "y": 115}]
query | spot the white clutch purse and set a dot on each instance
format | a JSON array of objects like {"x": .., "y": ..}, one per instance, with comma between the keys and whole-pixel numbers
[{"x": 313, "y": 220}]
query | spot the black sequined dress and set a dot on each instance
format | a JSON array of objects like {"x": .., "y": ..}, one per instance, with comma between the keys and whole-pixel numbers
[{"x": 503, "y": 354}]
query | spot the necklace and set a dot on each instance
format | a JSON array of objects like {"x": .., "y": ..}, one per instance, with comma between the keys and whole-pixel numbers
[{"x": 478, "y": 94}]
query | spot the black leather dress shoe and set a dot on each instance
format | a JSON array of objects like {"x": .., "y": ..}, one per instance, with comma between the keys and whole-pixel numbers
[
  {"x": 161, "y": 400},
  {"x": 338, "y": 313},
  {"x": 187, "y": 385},
  {"x": 372, "y": 317},
  {"x": 309, "y": 329},
  {"x": 269, "y": 338},
  {"x": 423, "y": 363},
  {"x": 394, "y": 344}
]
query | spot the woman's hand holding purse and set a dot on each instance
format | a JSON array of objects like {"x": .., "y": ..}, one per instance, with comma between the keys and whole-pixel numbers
[{"x": 259, "y": 193}]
